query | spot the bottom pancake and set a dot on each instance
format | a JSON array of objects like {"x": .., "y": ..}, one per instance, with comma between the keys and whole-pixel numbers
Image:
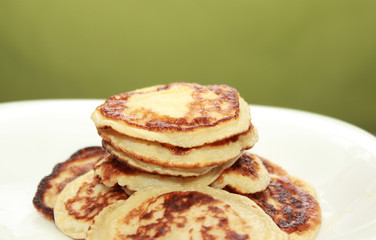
[
  {"x": 50, "y": 186},
  {"x": 290, "y": 202},
  {"x": 80, "y": 201},
  {"x": 112, "y": 172},
  {"x": 175, "y": 212}
]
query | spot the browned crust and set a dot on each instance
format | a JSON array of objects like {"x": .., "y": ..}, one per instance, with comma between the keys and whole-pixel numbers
[
  {"x": 45, "y": 183},
  {"x": 245, "y": 166},
  {"x": 89, "y": 205},
  {"x": 104, "y": 144},
  {"x": 273, "y": 168},
  {"x": 296, "y": 211},
  {"x": 176, "y": 150},
  {"x": 175, "y": 206},
  {"x": 113, "y": 107},
  {"x": 112, "y": 167}
]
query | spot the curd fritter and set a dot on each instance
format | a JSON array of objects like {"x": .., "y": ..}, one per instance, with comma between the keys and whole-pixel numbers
[
  {"x": 175, "y": 212},
  {"x": 50, "y": 186}
]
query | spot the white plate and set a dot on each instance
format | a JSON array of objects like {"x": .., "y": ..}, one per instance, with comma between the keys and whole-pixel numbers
[{"x": 337, "y": 158}]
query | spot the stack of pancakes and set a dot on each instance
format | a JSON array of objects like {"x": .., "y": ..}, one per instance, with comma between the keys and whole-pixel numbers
[
  {"x": 175, "y": 165},
  {"x": 179, "y": 133}
]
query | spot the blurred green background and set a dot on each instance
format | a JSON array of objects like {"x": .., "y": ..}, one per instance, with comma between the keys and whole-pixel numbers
[{"x": 314, "y": 55}]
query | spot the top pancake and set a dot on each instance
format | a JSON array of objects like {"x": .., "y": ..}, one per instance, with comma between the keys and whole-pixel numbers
[{"x": 179, "y": 114}]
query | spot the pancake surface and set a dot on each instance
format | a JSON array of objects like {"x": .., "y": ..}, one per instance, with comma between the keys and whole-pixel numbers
[
  {"x": 246, "y": 175},
  {"x": 179, "y": 114},
  {"x": 50, "y": 186},
  {"x": 112, "y": 172},
  {"x": 178, "y": 157},
  {"x": 80, "y": 201},
  {"x": 291, "y": 203},
  {"x": 168, "y": 212}
]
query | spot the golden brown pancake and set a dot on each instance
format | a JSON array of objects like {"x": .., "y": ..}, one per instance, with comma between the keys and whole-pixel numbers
[
  {"x": 80, "y": 201},
  {"x": 290, "y": 202},
  {"x": 175, "y": 212},
  {"x": 177, "y": 157},
  {"x": 153, "y": 168},
  {"x": 180, "y": 114},
  {"x": 50, "y": 186},
  {"x": 246, "y": 175},
  {"x": 114, "y": 172}
]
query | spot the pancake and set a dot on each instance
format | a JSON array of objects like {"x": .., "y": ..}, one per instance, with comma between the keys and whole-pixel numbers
[
  {"x": 80, "y": 201},
  {"x": 175, "y": 212},
  {"x": 171, "y": 156},
  {"x": 153, "y": 168},
  {"x": 246, "y": 175},
  {"x": 291, "y": 203},
  {"x": 112, "y": 172},
  {"x": 180, "y": 114},
  {"x": 50, "y": 186}
]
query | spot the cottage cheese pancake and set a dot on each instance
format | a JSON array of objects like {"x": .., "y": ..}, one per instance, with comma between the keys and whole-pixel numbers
[
  {"x": 170, "y": 156},
  {"x": 80, "y": 201},
  {"x": 180, "y": 114},
  {"x": 50, "y": 186},
  {"x": 246, "y": 175},
  {"x": 112, "y": 172},
  {"x": 291, "y": 203},
  {"x": 175, "y": 212},
  {"x": 153, "y": 168}
]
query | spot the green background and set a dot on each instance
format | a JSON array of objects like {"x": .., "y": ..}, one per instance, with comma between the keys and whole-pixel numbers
[{"x": 314, "y": 55}]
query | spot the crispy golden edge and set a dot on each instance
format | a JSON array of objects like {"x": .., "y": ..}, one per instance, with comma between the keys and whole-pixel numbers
[
  {"x": 45, "y": 183},
  {"x": 310, "y": 228}
]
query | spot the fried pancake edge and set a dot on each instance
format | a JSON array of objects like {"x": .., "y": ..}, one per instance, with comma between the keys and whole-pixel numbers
[
  {"x": 45, "y": 184},
  {"x": 113, "y": 171},
  {"x": 152, "y": 168},
  {"x": 246, "y": 175},
  {"x": 175, "y": 157},
  {"x": 80, "y": 201}
]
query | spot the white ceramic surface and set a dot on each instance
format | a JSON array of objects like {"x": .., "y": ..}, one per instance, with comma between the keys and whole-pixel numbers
[{"x": 337, "y": 158}]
